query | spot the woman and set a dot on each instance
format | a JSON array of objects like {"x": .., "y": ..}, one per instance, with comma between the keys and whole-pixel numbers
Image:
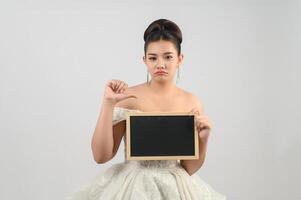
[{"x": 149, "y": 179}]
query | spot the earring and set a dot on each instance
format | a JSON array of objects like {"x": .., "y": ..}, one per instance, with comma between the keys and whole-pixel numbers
[
  {"x": 147, "y": 78},
  {"x": 178, "y": 75}
]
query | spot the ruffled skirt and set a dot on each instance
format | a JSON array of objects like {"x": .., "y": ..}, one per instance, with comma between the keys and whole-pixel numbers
[{"x": 146, "y": 180}]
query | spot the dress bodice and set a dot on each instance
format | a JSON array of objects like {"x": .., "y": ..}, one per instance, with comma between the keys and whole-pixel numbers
[{"x": 119, "y": 114}]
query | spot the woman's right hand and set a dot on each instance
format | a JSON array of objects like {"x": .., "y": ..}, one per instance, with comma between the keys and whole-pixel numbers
[{"x": 115, "y": 91}]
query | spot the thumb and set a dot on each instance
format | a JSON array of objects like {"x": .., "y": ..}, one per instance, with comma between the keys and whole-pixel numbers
[{"x": 126, "y": 96}]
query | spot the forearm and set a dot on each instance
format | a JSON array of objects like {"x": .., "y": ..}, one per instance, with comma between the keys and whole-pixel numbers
[
  {"x": 191, "y": 166},
  {"x": 103, "y": 141}
]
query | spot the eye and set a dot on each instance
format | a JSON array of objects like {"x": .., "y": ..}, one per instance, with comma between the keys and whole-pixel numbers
[
  {"x": 152, "y": 58},
  {"x": 169, "y": 57}
]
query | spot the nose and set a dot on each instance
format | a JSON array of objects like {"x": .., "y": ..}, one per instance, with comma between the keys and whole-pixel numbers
[{"x": 160, "y": 65}]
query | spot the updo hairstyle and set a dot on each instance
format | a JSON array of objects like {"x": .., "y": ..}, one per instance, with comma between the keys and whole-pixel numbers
[{"x": 163, "y": 29}]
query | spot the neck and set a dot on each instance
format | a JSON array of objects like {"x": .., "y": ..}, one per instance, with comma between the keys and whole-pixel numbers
[{"x": 162, "y": 89}]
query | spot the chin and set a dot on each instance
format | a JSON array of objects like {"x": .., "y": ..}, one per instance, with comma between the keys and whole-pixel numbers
[{"x": 161, "y": 80}]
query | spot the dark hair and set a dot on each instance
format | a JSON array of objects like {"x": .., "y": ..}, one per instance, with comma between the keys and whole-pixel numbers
[{"x": 163, "y": 29}]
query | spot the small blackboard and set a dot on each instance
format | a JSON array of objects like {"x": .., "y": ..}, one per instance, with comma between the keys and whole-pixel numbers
[{"x": 161, "y": 136}]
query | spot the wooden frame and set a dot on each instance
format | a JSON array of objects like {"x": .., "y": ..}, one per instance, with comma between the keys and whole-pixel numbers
[{"x": 129, "y": 114}]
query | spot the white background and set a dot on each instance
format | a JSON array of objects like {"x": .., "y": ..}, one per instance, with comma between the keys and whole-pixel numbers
[{"x": 242, "y": 58}]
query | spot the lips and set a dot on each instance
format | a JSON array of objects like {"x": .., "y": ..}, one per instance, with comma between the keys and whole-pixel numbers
[{"x": 161, "y": 72}]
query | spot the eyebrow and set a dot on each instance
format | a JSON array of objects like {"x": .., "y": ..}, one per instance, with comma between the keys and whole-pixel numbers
[{"x": 163, "y": 54}]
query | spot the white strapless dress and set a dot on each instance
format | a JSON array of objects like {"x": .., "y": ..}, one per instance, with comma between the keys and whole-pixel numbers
[{"x": 145, "y": 180}]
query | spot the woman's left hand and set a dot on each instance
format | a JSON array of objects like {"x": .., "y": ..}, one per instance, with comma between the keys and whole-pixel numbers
[{"x": 202, "y": 124}]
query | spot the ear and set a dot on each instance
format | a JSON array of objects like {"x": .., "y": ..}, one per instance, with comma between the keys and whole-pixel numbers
[
  {"x": 181, "y": 57},
  {"x": 143, "y": 58}
]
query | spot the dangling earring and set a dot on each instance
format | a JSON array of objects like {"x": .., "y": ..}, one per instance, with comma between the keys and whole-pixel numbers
[
  {"x": 178, "y": 75},
  {"x": 147, "y": 78}
]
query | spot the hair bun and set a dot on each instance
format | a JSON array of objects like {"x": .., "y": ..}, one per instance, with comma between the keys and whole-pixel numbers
[{"x": 163, "y": 25}]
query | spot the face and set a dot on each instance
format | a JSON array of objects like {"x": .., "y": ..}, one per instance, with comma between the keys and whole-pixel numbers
[{"x": 162, "y": 56}]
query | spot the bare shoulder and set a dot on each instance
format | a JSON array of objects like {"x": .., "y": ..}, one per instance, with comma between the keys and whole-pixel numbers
[
  {"x": 131, "y": 102},
  {"x": 193, "y": 101}
]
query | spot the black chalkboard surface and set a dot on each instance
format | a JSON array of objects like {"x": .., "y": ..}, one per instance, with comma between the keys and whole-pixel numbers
[{"x": 161, "y": 136}]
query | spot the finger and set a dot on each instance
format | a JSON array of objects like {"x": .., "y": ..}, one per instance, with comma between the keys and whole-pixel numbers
[
  {"x": 198, "y": 124},
  {"x": 120, "y": 87},
  {"x": 195, "y": 111},
  {"x": 205, "y": 126},
  {"x": 200, "y": 127},
  {"x": 204, "y": 119},
  {"x": 203, "y": 123},
  {"x": 125, "y": 87},
  {"x": 129, "y": 96},
  {"x": 119, "y": 84},
  {"x": 113, "y": 84},
  {"x": 200, "y": 119},
  {"x": 110, "y": 84},
  {"x": 132, "y": 96}
]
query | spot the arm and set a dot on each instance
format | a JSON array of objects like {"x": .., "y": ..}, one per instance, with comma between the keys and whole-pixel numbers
[
  {"x": 106, "y": 137},
  {"x": 203, "y": 128},
  {"x": 192, "y": 166},
  {"x": 102, "y": 141}
]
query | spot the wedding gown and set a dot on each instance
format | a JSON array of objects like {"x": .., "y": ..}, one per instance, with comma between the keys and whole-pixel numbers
[{"x": 145, "y": 180}]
